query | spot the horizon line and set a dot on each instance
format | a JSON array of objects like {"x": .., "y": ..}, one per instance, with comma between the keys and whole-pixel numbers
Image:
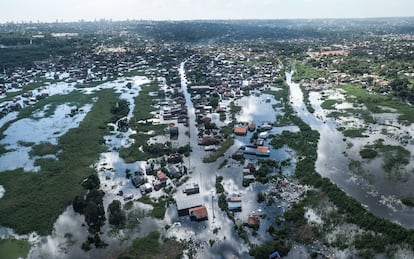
[{"x": 57, "y": 21}]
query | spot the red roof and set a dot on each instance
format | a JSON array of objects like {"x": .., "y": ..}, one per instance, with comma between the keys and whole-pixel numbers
[
  {"x": 240, "y": 131},
  {"x": 161, "y": 176},
  {"x": 199, "y": 212},
  {"x": 235, "y": 198},
  {"x": 262, "y": 149},
  {"x": 253, "y": 220}
]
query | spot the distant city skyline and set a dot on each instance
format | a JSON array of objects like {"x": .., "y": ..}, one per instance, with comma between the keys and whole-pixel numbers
[{"x": 89, "y": 10}]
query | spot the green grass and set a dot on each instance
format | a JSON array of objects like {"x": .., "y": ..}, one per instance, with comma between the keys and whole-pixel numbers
[
  {"x": 13, "y": 249},
  {"x": 33, "y": 201},
  {"x": 75, "y": 98},
  {"x": 355, "y": 133},
  {"x": 395, "y": 157},
  {"x": 40, "y": 81},
  {"x": 375, "y": 102},
  {"x": 149, "y": 247},
  {"x": 138, "y": 122},
  {"x": 220, "y": 151},
  {"x": 280, "y": 94},
  {"x": 329, "y": 104},
  {"x": 159, "y": 206},
  {"x": 305, "y": 71},
  {"x": 43, "y": 149}
]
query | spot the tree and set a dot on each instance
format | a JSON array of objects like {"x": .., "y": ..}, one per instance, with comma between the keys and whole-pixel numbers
[
  {"x": 116, "y": 216},
  {"x": 94, "y": 211},
  {"x": 79, "y": 204},
  {"x": 92, "y": 182},
  {"x": 214, "y": 101}
]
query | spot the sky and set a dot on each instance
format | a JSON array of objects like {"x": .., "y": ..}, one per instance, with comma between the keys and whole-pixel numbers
[{"x": 89, "y": 10}]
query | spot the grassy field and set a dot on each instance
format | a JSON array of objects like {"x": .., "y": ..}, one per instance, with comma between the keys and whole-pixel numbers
[
  {"x": 329, "y": 104},
  {"x": 375, "y": 103},
  {"x": 149, "y": 247},
  {"x": 305, "y": 71},
  {"x": 159, "y": 206},
  {"x": 33, "y": 201},
  {"x": 355, "y": 133},
  {"x": 13, "y": 249},
  {"x": 141, "y": 114}
]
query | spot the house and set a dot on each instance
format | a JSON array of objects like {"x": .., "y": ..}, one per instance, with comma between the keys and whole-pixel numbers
[
  {"x": 253, "y": 220},
  {"x": 263, "y": 135},
  {"x": 191, "y": 189},
  {"x": 145, "y": 188},
  {"x": 198, "y": 213},
  {"x": 234, "y": 203},
  {"x": 251, "y": 167},
  {"x": 240, "y": 131},
  {"x": 238, "y": 155},
  {"x": 200, "y": 88},
  {"x": 210, "y": 148},
  {"x": 173, "y": 172},
  {"x": 185, "y": 203},
  {"x": 259, "y": 142},
  {"x": 162, "y": 177},
  {"x": 207, "y": 140},
  {"x": 158, "y": 185},
  {"x": 266, "y": 126},
  {"x": 175, "y": 158},
  {"x": 251, "y": 126},
  {"x": 138, "y": 180},
  {"x": 262, "y": 151},
  {"x": 173, "y": 131},
  {"x": 149, "y": 168}
]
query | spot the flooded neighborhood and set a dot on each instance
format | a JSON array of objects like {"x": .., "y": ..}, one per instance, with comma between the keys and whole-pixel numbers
[{"x": 141, "y": 145}]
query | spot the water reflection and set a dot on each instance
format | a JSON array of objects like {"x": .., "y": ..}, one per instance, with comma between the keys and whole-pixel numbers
[
  {"x": 377, "y": 192},
  {"x": 22, "y": 134}
]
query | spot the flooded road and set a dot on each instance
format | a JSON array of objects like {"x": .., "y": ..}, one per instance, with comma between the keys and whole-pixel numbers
[{"x": 333, "y": 164}]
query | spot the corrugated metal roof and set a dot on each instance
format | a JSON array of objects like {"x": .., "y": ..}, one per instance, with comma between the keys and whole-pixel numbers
[{"x": 186, "y": 202}]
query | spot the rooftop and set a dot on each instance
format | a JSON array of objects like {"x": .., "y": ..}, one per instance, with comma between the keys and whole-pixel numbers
[{"x": 187, "y": 202}]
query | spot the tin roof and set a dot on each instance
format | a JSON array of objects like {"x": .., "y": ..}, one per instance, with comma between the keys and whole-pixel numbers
[{"x": 187, "y": 202}]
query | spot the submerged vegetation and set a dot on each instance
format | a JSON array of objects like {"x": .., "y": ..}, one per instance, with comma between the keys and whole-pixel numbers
[
  {"x": 25, "y": 207},
  {"x": 142, "y": 124},
  {"x": 151, "y": 247}
]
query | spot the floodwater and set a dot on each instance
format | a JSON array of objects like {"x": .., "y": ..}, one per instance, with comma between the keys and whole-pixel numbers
[
  {"x": 44, "y": 130},
  {"x": 49, "y": 129},
  {"x": 380, "y": 195},
  {"x": 227, "y": 243}
]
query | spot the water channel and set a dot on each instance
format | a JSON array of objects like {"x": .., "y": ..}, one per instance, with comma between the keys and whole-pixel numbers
[{"x": 333, "y": 164}]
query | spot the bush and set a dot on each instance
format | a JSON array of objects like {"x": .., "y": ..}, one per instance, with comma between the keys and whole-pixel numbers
[{"x": 368, "y": 153}]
